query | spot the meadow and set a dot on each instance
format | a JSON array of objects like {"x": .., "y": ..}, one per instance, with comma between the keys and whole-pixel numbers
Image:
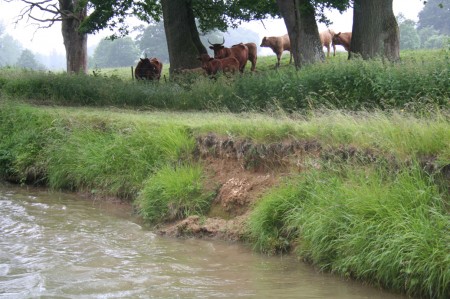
[{"x": 379, "y": 215}]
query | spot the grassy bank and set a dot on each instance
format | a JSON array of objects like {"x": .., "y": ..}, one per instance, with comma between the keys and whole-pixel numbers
[
  {"x": 417, "y": 83},
  {"x": 384, "y": 221}
]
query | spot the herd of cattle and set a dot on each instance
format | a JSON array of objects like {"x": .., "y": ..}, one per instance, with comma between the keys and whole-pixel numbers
[{"x": 231, "y": 60}]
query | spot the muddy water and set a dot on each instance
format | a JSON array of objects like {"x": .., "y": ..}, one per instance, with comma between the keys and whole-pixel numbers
[{"x": 55, "y": 245}]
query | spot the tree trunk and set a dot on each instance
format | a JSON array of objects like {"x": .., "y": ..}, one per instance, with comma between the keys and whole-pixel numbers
[
  {"x": 299, "y": 17},
  {"x": 74, "y": 42},
  {"x": 375, "y": 30},
  {"x": 183, "y": 50}
]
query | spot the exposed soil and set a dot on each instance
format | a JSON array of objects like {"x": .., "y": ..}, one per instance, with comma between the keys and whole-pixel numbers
[{"x": 242, "y": 171}]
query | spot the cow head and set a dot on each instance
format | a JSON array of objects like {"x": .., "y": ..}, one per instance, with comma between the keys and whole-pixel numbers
[
  {"x": 205, "y": 59},
  {"x": 219, "y": 49},
  {"x": 336, "y": 38},
  {"x": 265, "y": 42}
]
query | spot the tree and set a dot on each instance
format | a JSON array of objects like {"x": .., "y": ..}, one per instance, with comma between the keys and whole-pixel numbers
[
  {"x": 152, "y": 41},
  {"x": 409, "y": 37},
  {"x": 436, "y": 14},
  {"x": 116, "y": 53},
  {"x": 437, "y": 42},
  {"x": 183, "y": 39},
  {"x": 28, "y": 61},
  {"x": 299, "y": 17},
  {"x": 70, "y": 13},
  {"x": 375, "y": 30},
  {"x": 9, "y": 48}
]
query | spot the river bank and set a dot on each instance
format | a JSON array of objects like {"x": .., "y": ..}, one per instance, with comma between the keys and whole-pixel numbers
[{"x": 363, "y": 195}]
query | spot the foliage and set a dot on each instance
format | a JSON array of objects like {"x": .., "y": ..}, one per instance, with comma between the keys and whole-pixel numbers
[
  {"x": 116, "y": 53},
  {"x": 152, "y": 41},
  {"x": 27, "y": 60},
  {"x": 10, "y": 49},
  {"x": 174, "y": 193},
  {"x": 385, "y": 227},
  {"x": 436, "y": 14},
  {"x": 409, "y": 37}
]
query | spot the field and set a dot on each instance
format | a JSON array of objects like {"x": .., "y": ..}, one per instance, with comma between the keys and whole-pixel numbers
[{"x": 345, "y": 164}]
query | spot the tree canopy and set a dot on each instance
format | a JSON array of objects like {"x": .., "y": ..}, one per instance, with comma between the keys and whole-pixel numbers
[
  {"x": 436, "y": 14},
  {"x": 9, "y": 48},
  {"x": 116, "y": 53}
]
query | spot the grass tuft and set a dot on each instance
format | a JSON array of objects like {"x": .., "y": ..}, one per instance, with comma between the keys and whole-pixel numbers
[{"x": 174, "y": 193}]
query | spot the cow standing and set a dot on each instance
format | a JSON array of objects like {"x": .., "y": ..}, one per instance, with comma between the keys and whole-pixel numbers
[
  {"x": 278, "y": 44},
  {"x": 326, "y": 40},
  {"x": 252, "y": 54},
  {"x": 213, "y": 65},
  {"x": 344, "y": 39},
  {"x": 239, "y": 51},
  {"x": 148, "y": 69}
]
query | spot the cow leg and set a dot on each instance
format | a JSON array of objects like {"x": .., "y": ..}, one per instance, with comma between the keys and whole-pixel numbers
[
  {"x": 278, "y": 60},
  {"x": 334, "y": 50},
  {"x": 253, "y": 64},
  {"x": 328, "y": 50}
]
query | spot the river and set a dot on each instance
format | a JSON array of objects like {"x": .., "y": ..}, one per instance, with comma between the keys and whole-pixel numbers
[{"x": 59, "y": 245}]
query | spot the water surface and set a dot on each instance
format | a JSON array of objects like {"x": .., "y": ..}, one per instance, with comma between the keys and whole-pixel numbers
[{"x": 58, "y": 245}]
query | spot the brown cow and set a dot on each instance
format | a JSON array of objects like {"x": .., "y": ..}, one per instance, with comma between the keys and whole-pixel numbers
[
  {"x": 278, "y": 44},
  {"x": 213, "y": 65},
  {"x": 148, "y": 69},
  {"x": 326, "y": 40},
  {"x": 239, "y": 51},
  {"x": 343, "y": 38},
  {"x": 252, "y": 54}
]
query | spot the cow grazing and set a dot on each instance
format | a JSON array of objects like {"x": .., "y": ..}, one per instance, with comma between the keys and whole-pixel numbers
[
  {"x": 343, "y": 38},
  {"x": 213, "y": 65},
  {"x": 148, "y": 69},
  {"x": 239, "y": 51},
  {"x": 278, "y": 44},
  {"x": 326, "y": 40}
]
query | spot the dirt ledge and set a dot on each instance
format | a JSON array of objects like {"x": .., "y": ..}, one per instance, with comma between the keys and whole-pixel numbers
[{"x": 242, "y": 171}]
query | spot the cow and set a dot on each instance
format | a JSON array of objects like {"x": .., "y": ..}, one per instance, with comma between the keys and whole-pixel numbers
[
  {"x": 252, "y": 54},
  {"x": 213, "y": 65},
  {"x": 148, "y": 69},
  {"x": 239, "y": 51},
  {"x": 326, "y": 40},
  {"x": 278, "y": 44},
  {"x": 343, "y": 38}
]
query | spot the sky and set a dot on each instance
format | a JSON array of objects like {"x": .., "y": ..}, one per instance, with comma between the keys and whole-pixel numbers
[{"x": 47, "y": 41}]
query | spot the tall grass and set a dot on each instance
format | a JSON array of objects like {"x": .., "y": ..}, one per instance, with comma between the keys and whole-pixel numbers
[
  {"x": 389, "y": 228},
  {"x": 413, "y": 84}
]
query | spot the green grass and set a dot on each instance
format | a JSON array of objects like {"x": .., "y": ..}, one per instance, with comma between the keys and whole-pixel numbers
[
  {"x": 418, "y": 83},
  {"x": 389, "y": 228},
  {"x": 174, "y": 193}
]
